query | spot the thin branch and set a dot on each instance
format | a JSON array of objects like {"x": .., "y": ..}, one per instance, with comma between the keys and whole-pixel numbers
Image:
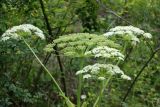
[
  {"x": 140, "y": 72},
  {"x": 112, "y": 12},
  {"x": 71, "y": 23},
  {"x": 150, "y": 47},
  {"x": 128, "y": 54},
  {"x": 115, "y": 14},
  {"x": 55, "y": 48}
]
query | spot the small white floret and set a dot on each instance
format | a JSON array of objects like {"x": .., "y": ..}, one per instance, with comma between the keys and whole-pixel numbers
[
  {"x": 101, "y": 78},
  {"x": 109, "y": 34},
  {"x": 86, "y": 76},
  {"x": 83, "y": 96},
  {"x": 125, "y": 77},
  {"x": 147, "y": 35}
]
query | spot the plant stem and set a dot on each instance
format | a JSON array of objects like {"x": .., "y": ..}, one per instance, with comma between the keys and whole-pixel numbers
[
  {"x": 79, "y": 90},
  {"x": 80, "y": 78},
  {"x": 69, "y": 103},
  {"x": 63, "y": 81},
  {"x": 40, "y": 71},
  {"x": 100, "y": 94},
  {"x": 43, "y": 66},
  {"x": 101, "y": 91}
]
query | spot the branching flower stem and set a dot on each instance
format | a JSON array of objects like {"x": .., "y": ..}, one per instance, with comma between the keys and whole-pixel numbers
[
  {"x": 140, "y": 72},
  {"x": 69, "y": 103},
  {"x": 102, "y": 90},
  {"x": 104, "y": 86},
  {"x": 107, "y": 81}
]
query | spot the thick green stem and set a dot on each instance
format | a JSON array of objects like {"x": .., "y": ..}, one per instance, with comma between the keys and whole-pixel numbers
[
  {"x": 79, "y": 90},
  {"x": 69, "y": 103},
  {"x": 101, "y": 91},
  {"x": 80, "y": 78}
]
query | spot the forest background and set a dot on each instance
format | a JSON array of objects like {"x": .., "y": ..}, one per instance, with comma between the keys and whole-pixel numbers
[{"x": 22, "y": 80}]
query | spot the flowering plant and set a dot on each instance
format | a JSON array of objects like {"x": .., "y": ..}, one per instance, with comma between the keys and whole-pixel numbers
[
  {"x": 85, "y": 46},
  {"x": 128, "y": 33}
]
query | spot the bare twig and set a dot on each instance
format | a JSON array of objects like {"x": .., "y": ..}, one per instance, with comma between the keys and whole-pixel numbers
[
  {"x": 140, "y": 72},
  {"x": 112, "y": 12},
  {"x": 58, "y": 57}
]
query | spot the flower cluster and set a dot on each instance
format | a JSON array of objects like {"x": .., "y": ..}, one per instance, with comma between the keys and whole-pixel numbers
[
  {"x": 99, "y": 70},
  {"x": 83, "y": 39},
  {"x": 121, "y": 30},
  {"x": 106, "y": 52},
  {"x": 128, "y": 33},
  {"x": 13, "y": 33},
  {"x": 76, "y": 44}
]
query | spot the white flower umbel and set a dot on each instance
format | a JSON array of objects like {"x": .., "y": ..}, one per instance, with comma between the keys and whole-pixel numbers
[
  {"x": 125, "y": 29},
  {"x": 133, "y": 33},
  {"x": 27, "y": 28},
  {"x": 97, "y": 70},
  {"x": 106, "y": 52}
]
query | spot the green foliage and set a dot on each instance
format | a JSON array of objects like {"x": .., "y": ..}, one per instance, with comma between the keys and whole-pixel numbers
[
  {"x": 88, "y": 15},
  {"x": 22, "y": 80},
  {"x": 15, "y": 91}
]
